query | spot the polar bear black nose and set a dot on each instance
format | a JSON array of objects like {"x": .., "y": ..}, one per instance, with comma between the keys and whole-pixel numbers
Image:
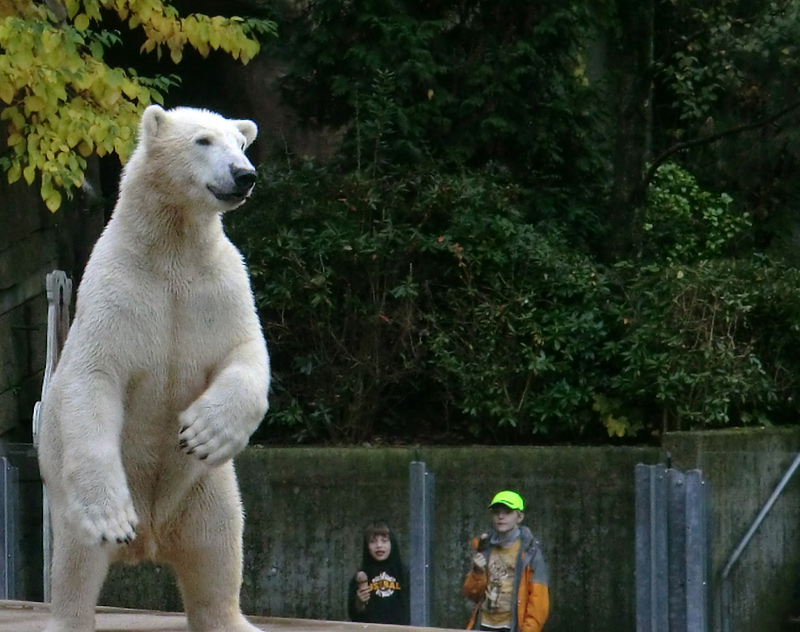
[{"x": 243, "y": 178}]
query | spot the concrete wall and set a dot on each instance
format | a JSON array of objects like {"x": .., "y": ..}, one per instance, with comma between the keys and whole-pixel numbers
[
  {"x": 580, "y": 506},
  {"x": 744, "y": 467},
  {"x": 306, "y": 508}
]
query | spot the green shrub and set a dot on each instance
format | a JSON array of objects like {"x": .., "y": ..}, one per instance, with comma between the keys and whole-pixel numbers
[
  {"x": 683, "y": 222},
  {"x": 418, "y": 305},
  {"x": 708, "y": 344}
]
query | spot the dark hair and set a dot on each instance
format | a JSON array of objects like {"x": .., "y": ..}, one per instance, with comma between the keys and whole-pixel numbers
[{"x": 376, "y": 528}]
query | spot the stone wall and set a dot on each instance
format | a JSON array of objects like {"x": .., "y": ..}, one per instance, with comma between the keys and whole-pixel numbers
[
  {"x": 27, "y": 254},
  {"x": 305, "y": 508},
  {"x": 33, "y": 242},
  {"x": 744, "y": 467}
]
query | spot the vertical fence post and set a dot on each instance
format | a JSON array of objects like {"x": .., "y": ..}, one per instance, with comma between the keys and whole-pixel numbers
[
  {"x": 676, "y": 547},
  {"x": 672, "y": 550},
  {"x": 8, "y": 528},
  {"x": 652, "y": 614},
  {"x": 698, "y": 545},
  {"x": 59, "y": 297},
  {"x": 421, "y": 527}
]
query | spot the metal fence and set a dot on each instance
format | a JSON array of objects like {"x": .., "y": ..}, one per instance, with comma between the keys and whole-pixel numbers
[
  {"x": 421, "y": 495},
  {"x": 9, "y": 517},
  {"x": 672, "y": 550}
]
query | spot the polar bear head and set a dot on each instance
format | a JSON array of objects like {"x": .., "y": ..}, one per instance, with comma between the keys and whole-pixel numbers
[{"x": 196, "y": 154}]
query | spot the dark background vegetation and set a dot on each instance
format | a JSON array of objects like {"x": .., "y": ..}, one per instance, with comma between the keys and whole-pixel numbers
[{"x": 542, "y": 222}]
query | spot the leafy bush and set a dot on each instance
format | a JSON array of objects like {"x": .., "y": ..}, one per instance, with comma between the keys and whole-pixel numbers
[
  {"x": 418, "y": 304},
  {"x": 424, "y": 305},
  {"x": 708, "y": 344},
  {"x": 459, "y": 83},
  {"x": 685, "y": 223},
  {"x": 432, "y": 282}
]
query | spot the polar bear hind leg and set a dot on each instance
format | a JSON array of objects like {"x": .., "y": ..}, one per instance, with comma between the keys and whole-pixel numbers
[{"x": 206, "y": 554}]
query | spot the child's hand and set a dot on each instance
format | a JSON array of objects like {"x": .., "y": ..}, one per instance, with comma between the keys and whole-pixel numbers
[
  {"x": 479, "y": 562},
  {"x": 362, "y": 592}
]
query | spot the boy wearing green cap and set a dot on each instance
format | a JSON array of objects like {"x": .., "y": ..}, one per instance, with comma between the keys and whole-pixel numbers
[{"x": 508, "y": 578}]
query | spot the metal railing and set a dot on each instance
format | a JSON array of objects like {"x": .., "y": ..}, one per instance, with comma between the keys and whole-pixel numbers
[{"x": 725, "y": 586}]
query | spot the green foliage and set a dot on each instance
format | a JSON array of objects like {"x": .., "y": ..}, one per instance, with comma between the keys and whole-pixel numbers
[
  {"x": 732, "y": 53},
  {"x": 434, "y": 281},
  {"x": 684, "y": 223},
  {"x": 461, "y": 83},
  {"x": 720, "y": 65},
  {"x": 423, "y": 304},
  {"x": 60, "y": 99},
  {"x": 515, "y": 341},
  {"x": 702, "y": 345},
  {"x": 401, "y": 298}
]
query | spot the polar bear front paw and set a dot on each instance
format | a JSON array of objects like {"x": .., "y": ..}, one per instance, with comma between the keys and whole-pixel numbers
[
  {"x": 108, "y": 518},
  {"x": 205, "y": 434}
]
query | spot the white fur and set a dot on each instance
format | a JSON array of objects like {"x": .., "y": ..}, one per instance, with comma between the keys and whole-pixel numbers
[{"x": 162, "y": 380}]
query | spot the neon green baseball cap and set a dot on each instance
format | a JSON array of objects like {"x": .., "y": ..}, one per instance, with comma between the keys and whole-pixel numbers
[{"x": 510, "y": 499}]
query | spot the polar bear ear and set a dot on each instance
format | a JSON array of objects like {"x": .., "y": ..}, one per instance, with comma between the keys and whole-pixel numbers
[
  {"x": 153, "y": 120},
  {"x": 248, "y": 128}
]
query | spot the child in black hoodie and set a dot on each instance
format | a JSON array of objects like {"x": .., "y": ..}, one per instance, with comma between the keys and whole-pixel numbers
[{"x": 379, "y": 592}]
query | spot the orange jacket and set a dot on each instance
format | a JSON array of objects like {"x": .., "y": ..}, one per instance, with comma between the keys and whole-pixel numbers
[{"x": 530, "y": 581}]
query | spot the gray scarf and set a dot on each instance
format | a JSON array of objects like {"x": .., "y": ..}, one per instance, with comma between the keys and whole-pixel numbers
[{"x": 504, "y": 539}]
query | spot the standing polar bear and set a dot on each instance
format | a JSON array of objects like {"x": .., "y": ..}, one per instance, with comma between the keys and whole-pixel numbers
[{"x": 163, "y": 378}]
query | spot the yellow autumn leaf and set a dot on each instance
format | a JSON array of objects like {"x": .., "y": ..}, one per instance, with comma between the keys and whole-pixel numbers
[
  {"x": 34, "y": 103},
  {"x": 214, "y": 38},
  {"x": 81, "y": 22},
  {"x": 98, "y": 133},
  {"x": 6, "y": 91},
  {"x": 85, "y": 148},
  {"x": 130, "y": 88},
  {"x": 92, "y": 7},
  {"x": 53, "y": 201},
  {"x": 72, "y": 7},
  {"x": 74, "y": 137},
  {"x": 14, "y": 173},
  {"x": 29, "y": 173}
]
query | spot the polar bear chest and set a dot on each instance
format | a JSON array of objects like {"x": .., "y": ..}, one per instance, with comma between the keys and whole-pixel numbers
[{"x": 180, "y": 339}]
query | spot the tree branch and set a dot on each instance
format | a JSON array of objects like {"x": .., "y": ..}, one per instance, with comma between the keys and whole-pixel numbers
[{"x": 638, "y": 193}]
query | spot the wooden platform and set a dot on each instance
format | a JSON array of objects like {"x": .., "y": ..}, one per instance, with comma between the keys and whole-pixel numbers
[{"x": 24, "y": 616}]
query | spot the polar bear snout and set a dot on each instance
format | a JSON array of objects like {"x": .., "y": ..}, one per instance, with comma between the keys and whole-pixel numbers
[
  {"x": 238, "y": 187},
  {"x": 244, "y": 180}
]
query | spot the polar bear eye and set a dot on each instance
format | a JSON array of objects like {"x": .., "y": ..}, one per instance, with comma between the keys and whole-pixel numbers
[{"x": 203, "y": 140}]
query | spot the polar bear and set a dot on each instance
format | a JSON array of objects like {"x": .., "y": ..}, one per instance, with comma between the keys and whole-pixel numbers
[{"x": 163, "y": 378}]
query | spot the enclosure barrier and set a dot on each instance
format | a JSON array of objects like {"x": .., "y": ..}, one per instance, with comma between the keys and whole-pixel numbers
[
  {"x": 59, "y": 297},
  {"x": 421, "y": 487},
  {"x": 672, "y": 550},
  {"x": 9, "y": 503}
]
